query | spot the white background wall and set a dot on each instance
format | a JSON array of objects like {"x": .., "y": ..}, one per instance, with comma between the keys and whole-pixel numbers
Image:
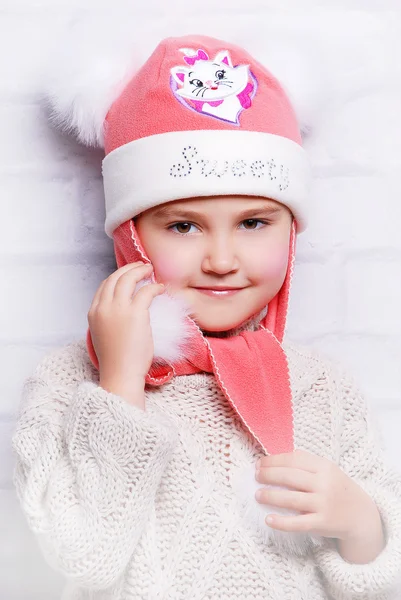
[{"x": 54, "y": 252}]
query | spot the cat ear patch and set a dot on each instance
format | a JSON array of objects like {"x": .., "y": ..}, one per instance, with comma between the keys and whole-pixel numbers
[
  {"x": 223, "y": 57},
  {"x": 179, "y": 73}
]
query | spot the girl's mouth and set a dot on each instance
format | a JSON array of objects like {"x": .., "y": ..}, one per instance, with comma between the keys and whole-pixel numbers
[{"x": 219, "y": 292}]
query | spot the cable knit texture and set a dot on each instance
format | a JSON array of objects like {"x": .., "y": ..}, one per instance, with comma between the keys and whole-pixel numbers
[{"x": 131, "y": 504}]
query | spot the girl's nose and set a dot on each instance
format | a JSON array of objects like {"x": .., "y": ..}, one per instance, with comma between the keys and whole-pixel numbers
[{"x": 220, "y": 259}]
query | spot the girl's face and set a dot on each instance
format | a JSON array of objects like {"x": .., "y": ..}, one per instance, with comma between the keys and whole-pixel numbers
[{"x": 226, "y": 256}]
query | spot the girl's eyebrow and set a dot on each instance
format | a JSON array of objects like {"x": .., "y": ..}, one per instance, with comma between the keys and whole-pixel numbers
[
  {"x": 166, "y": 212},
  {"x": 259, "y": 211}
]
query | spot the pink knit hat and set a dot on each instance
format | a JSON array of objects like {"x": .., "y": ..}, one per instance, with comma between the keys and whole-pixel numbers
[{"x": 201, "y": 117}]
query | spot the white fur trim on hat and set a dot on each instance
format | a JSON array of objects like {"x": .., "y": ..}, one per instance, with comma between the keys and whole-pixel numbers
[{"x": 185, "y": 164}]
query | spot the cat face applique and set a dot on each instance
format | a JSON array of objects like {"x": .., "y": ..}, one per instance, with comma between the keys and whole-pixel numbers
[{"x": 213, "y": 87}]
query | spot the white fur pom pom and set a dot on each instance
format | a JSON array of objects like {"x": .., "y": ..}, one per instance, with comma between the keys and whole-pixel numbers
[
  {"x": 301, "y": 70},
  {"x": 170, "y": 328},
  {"x": 245, "y": 486},
  {"x": 88, "y": 71}
]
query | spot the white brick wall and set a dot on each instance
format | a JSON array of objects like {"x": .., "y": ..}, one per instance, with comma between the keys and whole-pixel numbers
[{"x": 54, "y": 253}]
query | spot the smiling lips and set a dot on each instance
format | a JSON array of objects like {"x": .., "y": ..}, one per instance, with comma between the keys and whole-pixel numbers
[{"x": 218, "y": 291}]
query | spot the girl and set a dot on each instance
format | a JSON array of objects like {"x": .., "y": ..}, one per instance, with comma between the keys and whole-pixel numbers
[{"x": 184, "y": 450}]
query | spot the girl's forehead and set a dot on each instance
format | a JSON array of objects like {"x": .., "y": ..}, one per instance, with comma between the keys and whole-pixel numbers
[{"x": 210, "y": 203}]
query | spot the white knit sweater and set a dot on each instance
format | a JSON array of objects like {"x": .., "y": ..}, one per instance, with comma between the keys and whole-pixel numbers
[{"x": 133, "y": 505}]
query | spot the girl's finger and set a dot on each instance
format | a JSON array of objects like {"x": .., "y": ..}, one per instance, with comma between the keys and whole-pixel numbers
[
  {"x": 124, "y": 288},
  {"x": 300, "y": 523},
  {"x": 300, "y": 501},
  {"x": 296, "y": 479},
  {"x": 300, "y": 459},
  {"x": 96, "y": 297},
  {"x": 143, "y": 298},
  {"x": 133, "y": 272}
]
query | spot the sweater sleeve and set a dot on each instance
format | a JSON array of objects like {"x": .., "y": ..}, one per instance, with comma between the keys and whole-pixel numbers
[
  {"x": 361, "y": 456},
  {"x": 87, "y": 470}
]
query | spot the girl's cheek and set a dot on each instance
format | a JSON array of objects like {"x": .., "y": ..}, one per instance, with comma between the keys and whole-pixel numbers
[
  {"x": 273, "y": 264},
  {"x": 168, "y": 269},
  {"x": 278, "y": 262}
]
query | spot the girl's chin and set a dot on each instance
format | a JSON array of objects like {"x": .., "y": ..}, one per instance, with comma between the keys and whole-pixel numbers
[
  {"x": 220, "y": 325},
  {"x": 220, "y": 315}
]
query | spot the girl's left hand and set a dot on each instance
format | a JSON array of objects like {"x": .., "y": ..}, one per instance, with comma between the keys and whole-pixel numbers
[{"x": 331, "y": 503}]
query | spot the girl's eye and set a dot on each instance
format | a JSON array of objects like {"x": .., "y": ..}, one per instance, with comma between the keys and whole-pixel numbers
[
  {"x": 252, "y": 224},
  {"x": 197, "y": 82},
  {"x": 220, "y": 74},
  {"x": 182, "y": 228}
]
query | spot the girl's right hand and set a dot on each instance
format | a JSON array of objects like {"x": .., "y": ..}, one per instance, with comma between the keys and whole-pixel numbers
[{"x": 120, "y": 328}]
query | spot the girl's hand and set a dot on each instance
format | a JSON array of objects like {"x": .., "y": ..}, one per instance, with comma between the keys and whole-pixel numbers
[
  {"x": 331, "y": 503},
  {"x": 120, "y": 326}
]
